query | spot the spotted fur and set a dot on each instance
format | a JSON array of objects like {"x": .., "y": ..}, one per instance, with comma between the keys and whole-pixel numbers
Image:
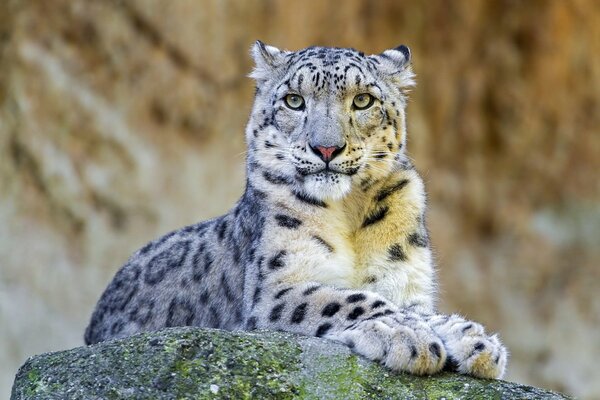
[{"x": 331, "y": 247}]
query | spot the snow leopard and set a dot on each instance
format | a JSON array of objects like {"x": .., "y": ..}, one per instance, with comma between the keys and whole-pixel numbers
[{"x": 329, "y": 238}]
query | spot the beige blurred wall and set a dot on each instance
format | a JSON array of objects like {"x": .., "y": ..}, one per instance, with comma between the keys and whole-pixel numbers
[{"x": 121, "y": 120}]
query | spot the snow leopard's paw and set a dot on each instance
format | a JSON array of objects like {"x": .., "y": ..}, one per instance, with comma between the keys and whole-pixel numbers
[
  {"x": 470, "y": 350},
  {"x": 398, "y": 342}
]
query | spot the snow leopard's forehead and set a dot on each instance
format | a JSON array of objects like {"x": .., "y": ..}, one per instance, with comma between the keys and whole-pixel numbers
[
  {"x": 320, "y": 70},
  {"x": 324, "y": 70}
]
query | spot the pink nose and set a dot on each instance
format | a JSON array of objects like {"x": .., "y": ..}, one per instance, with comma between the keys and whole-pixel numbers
[{"x": 326, "y": 152}]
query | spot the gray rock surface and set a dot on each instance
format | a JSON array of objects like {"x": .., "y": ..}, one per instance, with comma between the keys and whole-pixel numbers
[{"x": 182, "y": 363}]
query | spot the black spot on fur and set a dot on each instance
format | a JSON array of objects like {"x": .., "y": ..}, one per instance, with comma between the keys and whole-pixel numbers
[
  {"x": 377, "y": 304},
  {"x": 311, "y": 290},
  {"x": 479, "y": 346},
  {"x": 204, "y": 297},
  {"x": 385, "y": 192},
  {"x": 276, "y": 312},
  {"x": 357, "y": 312},
  {"x": 117, "y": 327},
  {"x": 276, "y": 262},
  {"x": 147, "y": 248},
  {"x": 276, "y": 179},
  {"x": 251, "y": 254},
  {"x": 418, "y": 240},
  {"x": 323, "y": 329},
  {"x": 180, "y": 313},
  {"x": 299, "y": 313},
  {"x": 122, "y": 289},
  {"x": 197, "y": 264},
  {"x": 143, "y": 311},
  {"x": 353, "y": 298},
  {"x": 331, "y": 309},
  {"x": 226, "y": 289},
  {"x": 221, "y": 228},
  {"x": 208, "y": 260},
  {"x": 366, "y": 183},
  {"x": 413, "y": 351},
  {"x": 256, "y": 297},
  {"x": 171, "y": 258},
  {"x": 214, "y": 321},
  {"x": 323, "y": 243},
  {"x": 287, "y": 222},
  {"x": 251, "y": 324},
  {"x": 375, "y": 216},
  {"x": 281, "y": 293},
  {"x": 396, "y": 253},
  {"x": 236, "y": 252},
  {"x": 157, "y": 243},
  {"x": 435, "y": 349},
  {"x": 303, "y": 197}
]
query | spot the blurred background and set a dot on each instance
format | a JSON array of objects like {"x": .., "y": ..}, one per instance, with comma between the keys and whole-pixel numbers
[{"x": 122, "y": 120}]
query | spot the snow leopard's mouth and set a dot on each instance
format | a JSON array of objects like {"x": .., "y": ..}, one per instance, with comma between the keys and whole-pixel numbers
[{"x": 330, "y": 172}]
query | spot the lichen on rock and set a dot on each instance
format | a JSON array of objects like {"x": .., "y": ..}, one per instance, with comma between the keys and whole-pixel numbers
[{"x": 186, "y": 363}]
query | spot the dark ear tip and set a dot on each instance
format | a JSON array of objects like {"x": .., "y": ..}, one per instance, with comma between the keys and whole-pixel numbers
[{"x": 404, "y": 50}]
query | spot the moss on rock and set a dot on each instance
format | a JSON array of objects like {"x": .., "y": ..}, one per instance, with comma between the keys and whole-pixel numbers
[{"x": 189, "y": 363}]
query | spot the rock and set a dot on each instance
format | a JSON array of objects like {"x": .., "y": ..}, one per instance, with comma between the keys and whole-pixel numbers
[{"x": 206, "y": 363}]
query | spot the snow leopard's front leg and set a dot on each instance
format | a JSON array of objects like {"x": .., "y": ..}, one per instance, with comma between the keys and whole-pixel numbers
[
  {"x": 470, "y": 350},
  {"x": 366, "y": 322}
]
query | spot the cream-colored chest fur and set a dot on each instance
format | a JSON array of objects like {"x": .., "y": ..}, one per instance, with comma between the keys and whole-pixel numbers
[{"x": 358, "y": 255}]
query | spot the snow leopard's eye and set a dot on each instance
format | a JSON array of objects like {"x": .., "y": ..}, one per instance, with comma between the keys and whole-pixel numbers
[
  {"x": 294, "y": 101},
  {"x": 363, "y": 101}
]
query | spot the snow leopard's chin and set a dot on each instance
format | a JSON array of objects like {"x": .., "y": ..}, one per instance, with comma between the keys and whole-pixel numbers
[{"x": 327, "y": 185}]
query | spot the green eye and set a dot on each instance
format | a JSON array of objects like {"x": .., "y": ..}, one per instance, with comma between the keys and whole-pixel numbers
[
  {"x": 294, "y": 101},
  {"x": 363, "y": 101}
]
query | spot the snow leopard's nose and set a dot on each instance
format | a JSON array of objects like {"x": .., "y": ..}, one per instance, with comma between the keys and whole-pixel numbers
[{"x": 327, "y": 153}]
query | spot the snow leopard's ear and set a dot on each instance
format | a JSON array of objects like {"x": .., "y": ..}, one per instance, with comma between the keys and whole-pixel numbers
[
  {"x": 267, "y": 60},
  {"x": 395, "y": 63}
]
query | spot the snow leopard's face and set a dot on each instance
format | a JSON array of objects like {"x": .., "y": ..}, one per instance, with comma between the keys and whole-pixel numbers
[{"x": 328, "y": 120}]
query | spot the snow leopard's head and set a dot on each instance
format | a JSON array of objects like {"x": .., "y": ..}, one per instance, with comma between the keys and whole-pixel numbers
[{"x": 328, "y": 120}]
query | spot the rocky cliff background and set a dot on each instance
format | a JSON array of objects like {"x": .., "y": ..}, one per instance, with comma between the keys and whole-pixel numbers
[{"x": 121, "y": 120}]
